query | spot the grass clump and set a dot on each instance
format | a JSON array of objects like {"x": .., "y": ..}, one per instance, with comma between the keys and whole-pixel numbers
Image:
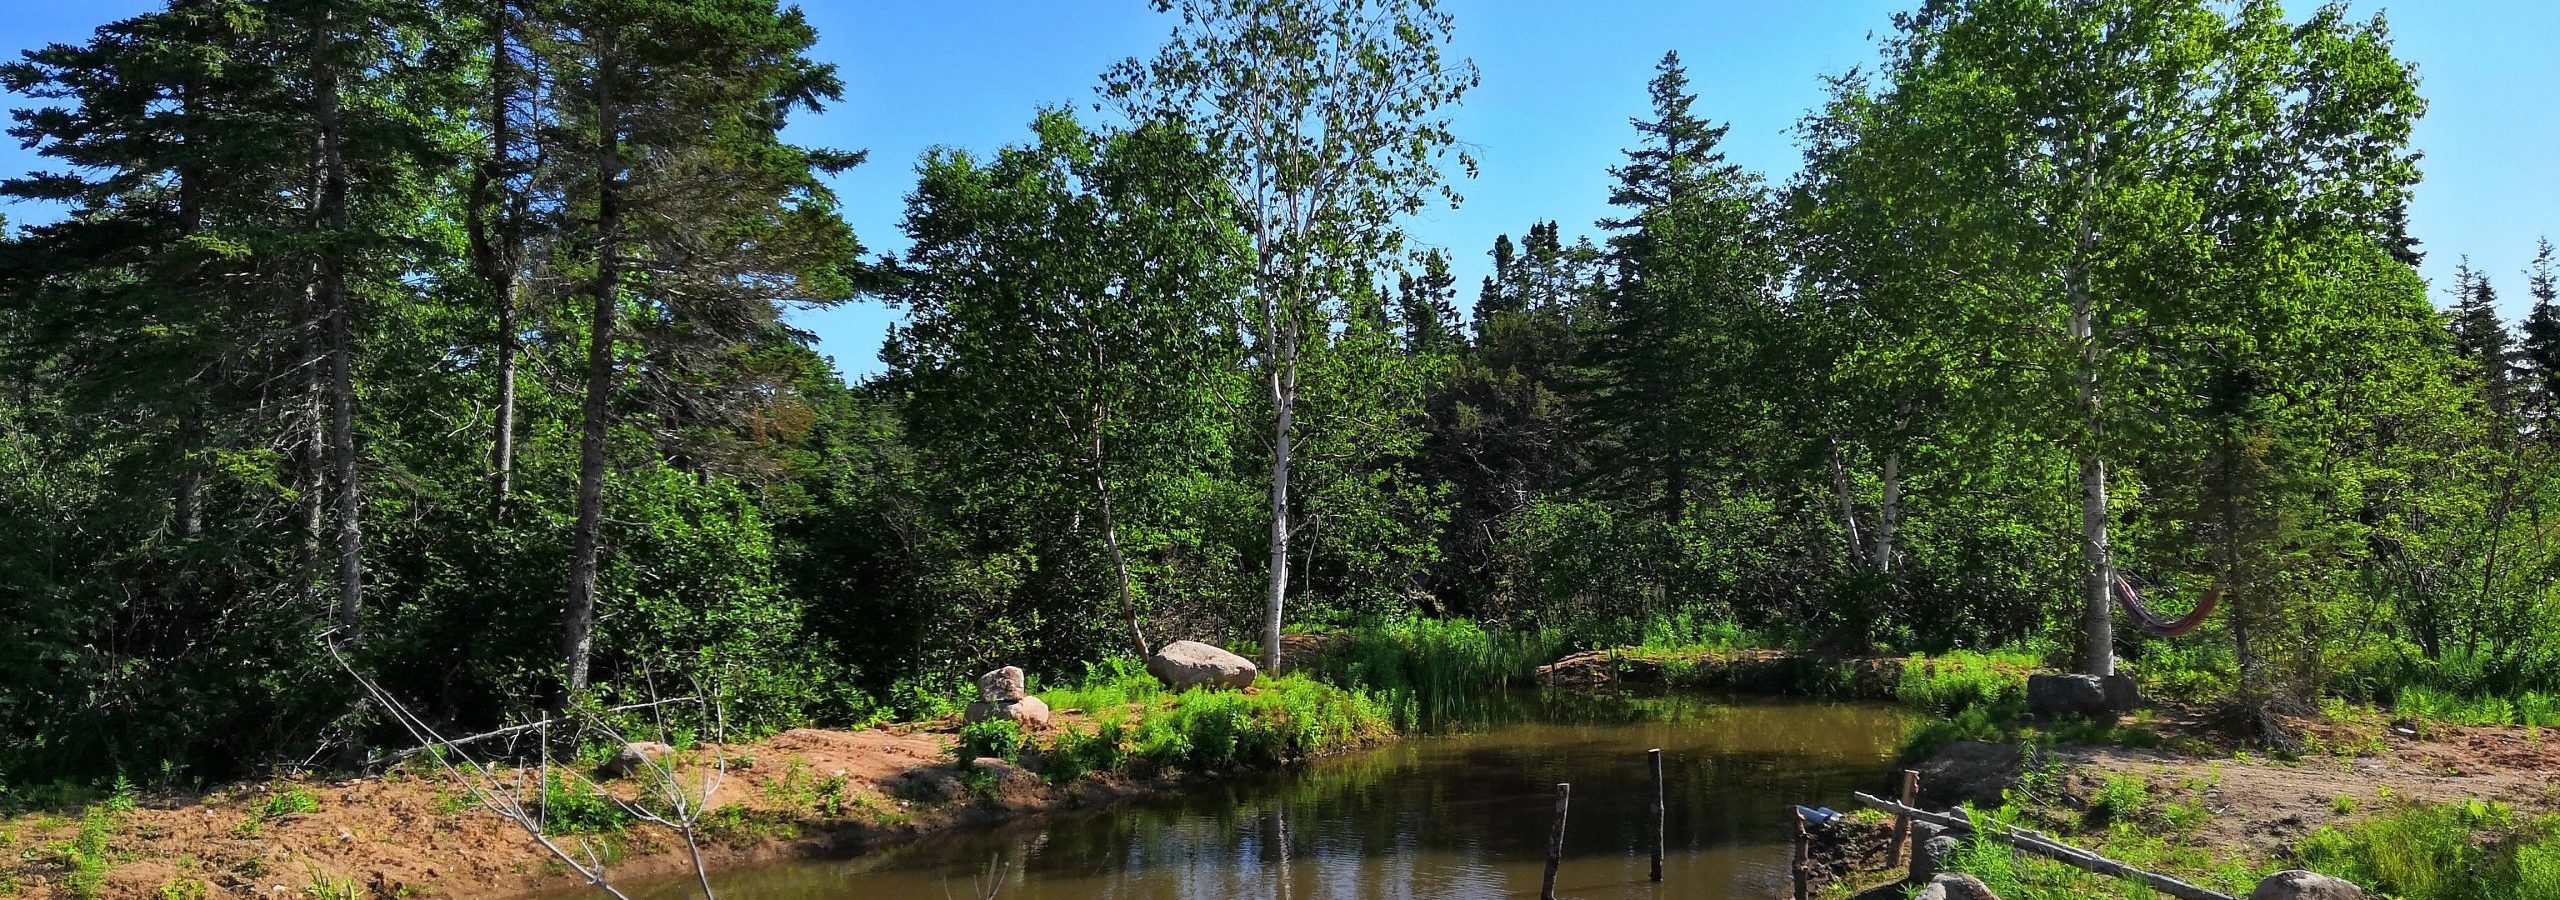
[
  {"x": 2472, "y": 850},
  {"x": 1964, "y": 680},
  {"x": 293, "y": 801},
  {"x": 2428, "y": 704}
]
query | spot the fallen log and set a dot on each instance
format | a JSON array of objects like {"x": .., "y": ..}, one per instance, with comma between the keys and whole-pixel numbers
[{"x": 2036, "y": 843}]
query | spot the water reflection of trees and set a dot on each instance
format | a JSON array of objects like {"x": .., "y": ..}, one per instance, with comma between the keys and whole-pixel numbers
[{"x": 1467, "y": 815}]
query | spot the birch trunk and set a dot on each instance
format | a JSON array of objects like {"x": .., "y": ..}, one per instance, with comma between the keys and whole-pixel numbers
[{"x": 1284, "y": 396}]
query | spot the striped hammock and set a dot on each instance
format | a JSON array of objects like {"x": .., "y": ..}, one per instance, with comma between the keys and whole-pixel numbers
[{"x": 2151, "y": 624}]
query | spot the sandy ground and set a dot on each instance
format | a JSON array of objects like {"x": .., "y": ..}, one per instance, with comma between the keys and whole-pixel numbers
[
  {"x": 416, "y": 833},
  {"x": 2267, "y": 805}
]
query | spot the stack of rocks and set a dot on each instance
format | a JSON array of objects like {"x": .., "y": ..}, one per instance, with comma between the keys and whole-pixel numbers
[{"x": 1001, "y": 696}]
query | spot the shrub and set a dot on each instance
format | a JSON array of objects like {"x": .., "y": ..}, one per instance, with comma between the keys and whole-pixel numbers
[
  {"x": 999, "y": 738},
  {"x": 575, "y": 806}
]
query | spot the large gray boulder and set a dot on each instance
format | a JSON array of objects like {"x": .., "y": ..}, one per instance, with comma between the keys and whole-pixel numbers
[
  {"x": 2296, "y": 884},
  {"x": 1189, "y": 664},
  {"x": 1028, "y": 712},
  {"x": 1976, "y": 772},
  {"x": 1002, "y": 685},
  {"x": 2051, "y": 696},
  {"x": 2122, "y": 696},
  {"x": 1955, "y": 886}
]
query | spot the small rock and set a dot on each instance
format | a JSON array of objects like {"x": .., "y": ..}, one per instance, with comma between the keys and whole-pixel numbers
[
  {"x": 1932, "y": 856},
  {"x": 1002, "y": 685},
  {"x": 1188, "y": 664},
  {"x": 635, "y": 757},
  {"x": 1955, "y": 886},
  {"x": 935, "y": 785},
  {"x": 1029, "y": 712},
  {"x": 2050, "y": 696},
  {"x": 2296, "y": 884},
  {"x": 1006, "y": 773}
]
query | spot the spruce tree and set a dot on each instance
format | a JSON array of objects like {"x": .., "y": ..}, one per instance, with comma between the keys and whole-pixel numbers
[
  {"x": 2539, "y": 350},
  {"x": 691, "y": 209},
  {"x": 1696, "y": 262},
  {"x": 2481, "y": 338}
]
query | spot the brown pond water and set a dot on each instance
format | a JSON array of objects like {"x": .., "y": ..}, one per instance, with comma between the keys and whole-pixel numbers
[{"x": 1461, "y": 816}]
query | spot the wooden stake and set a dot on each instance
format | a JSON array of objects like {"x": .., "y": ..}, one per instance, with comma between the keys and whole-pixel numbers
[
  {"x": 1654, "y": 756},
  {"x": 1902, "y": 823},
  {"x": 1804, "y": 854},
  {"x": 1555, "y": 842}
]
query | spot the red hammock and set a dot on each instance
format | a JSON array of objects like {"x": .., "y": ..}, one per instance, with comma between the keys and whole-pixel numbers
[{"x": 2151, "y": 624}]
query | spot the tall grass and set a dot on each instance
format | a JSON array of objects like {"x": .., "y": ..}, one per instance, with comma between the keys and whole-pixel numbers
[
  {"x": 2473, "y": 850},
  {"x": 2434, "y": 705},
  {"x": 1962, "y": 680},
  {"x": 1427, "y": 671}
]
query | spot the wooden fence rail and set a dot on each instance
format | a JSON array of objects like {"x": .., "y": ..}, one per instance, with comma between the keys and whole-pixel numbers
[{"x": 2036, "y": 843}]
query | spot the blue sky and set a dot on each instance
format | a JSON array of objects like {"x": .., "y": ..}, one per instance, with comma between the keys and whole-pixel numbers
[{"x": 1560, "y": 81}]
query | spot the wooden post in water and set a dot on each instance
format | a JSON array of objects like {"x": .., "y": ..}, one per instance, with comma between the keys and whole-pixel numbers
[
  {"x": 1902, "y": 823},
  {"x": 1654, "y": 756},
  {"x": 1555, "y": 842},
  {"x": 1803, "y": 868}
]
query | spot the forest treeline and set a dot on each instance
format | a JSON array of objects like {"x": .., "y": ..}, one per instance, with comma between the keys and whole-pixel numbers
[{"x": 455, "y": 334}]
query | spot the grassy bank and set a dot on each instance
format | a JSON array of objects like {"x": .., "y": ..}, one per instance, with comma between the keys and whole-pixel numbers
[
  {"x": 2467, "y": 850},
  {"x": 411, "y": 830}
]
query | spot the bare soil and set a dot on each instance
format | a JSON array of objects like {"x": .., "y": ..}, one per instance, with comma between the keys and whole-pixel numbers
[
  {"x": 414, "y": 832},
  {"x": 2266, "y": 805}
]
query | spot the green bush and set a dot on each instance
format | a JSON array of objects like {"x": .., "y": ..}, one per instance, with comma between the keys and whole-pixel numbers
[
  {"x": 998, "y": 738},
  {"x": 291, "y": 801},
  {"x": 575, "y": 806},
  {"x": 1290, "y": 718}
]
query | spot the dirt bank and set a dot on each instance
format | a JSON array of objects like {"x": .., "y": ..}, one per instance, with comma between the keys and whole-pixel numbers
[{"x": 416, "y": 833}]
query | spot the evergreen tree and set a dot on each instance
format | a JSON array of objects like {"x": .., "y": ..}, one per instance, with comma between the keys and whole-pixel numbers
[
  {"x": 2481, "y": 338},
  {"x": 689, "y": 205},
  {"x": 2539, "y": 350},
  {"x": 1426, "y": 307},
  {"x": 1689, "y": 315}
]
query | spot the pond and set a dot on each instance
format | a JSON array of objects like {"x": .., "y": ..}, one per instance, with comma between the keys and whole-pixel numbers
[{"x": 1458, "y": 816}]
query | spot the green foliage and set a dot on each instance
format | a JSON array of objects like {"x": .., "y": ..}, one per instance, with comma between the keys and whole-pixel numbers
[
  {"x": 85, "y": 857},
  {"x": 2470, "y": 849},
  {"x": 1838, "y": 415},
  {"x": 1077, "y": 752},
  {"x": 1956, "y": 683},
  {"x": 1288, "y": 719},
  {"x": 1429, "y": 669},
  {"x": 574, "y": 805},
  {"x": 2121, "y": 800},
  {"x": 292, "y": 801},
  {"x": 998, "y": 738}
]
